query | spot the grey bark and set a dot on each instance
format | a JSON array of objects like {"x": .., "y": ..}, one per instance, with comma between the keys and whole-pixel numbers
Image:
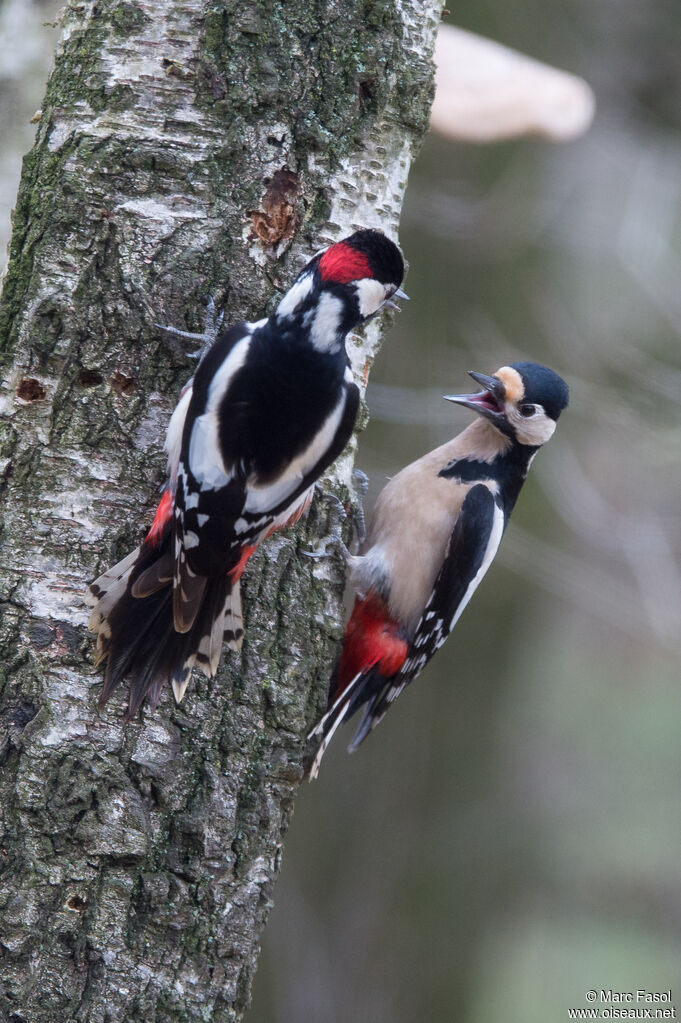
[{"x": 137, "y": 862}]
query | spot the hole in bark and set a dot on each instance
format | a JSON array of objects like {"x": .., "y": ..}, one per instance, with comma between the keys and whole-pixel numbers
[
  {"x": 41, "y": 635},
  {"x": 89, "y": 378},
  {"x": 368, "y": 93},
  {"x": 77, "y": 904},
  {"x": 31, "y": 389},
  {"x": 22, "y": 714},
  {"x": 121, "y": 383}
]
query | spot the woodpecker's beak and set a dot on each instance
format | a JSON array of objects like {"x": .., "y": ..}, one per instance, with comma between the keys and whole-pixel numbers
[
  {"x": 396, "y": 294},
  {"x": 489, "y": 403}
]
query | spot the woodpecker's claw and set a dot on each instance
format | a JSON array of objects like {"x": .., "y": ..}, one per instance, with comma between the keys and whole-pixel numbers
[
  {"x": 178, "y": 332},
  {"x": 361, "y": 486},
  {"x": 211, "y": 327},
  {"x": 333, "y": 539}
]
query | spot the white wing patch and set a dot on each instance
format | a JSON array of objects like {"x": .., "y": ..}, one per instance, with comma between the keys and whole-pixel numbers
[
  {"x": 173, "y": 443},
  {"x": 205, "y": 460}
]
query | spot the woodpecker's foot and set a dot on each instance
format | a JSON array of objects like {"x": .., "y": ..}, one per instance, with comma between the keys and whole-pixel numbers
[
  {"x": 333, "y": 542},
  {"x": 361, "y": 481},
  {"x": 211, "y": 327}
]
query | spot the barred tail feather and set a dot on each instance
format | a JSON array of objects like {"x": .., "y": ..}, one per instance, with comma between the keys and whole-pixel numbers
[
  {"x": 333, "y": 723},
  {"x": 133, "y": 617},
  {"x": 103, "y": 595},
  {"x": 343, "y": 707},
  {"x": 233, "y": 620}
]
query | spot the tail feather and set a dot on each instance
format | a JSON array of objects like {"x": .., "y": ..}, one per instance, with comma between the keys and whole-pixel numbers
[
  {"x": 133, "y": 616},
  {"x": 233, "y": 619},
  {"x": 328, "y": 736},
  {"x": 154, "y": 578},
  {"x": 108, "y": 589},
  {"x": 188, "y": 597},
  {"x": 345, "y": 704},
  {"x": 374, "y": 649},
  {"x": 370, "y": 718}
]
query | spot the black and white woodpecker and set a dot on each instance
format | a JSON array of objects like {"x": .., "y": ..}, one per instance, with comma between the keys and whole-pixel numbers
[
  {"x": 271, "y": 406},
  {"x": 436, "y": 528}
]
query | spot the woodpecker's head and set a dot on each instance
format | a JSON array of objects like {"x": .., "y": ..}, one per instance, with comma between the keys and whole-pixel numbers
[
  {"x": 368, "y": 265},
  {"x": 523, "y": 401},
  {"x": 344, "y": 285}
]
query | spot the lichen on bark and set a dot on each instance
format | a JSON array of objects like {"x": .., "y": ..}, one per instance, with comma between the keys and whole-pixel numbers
[{"x": 137, "y": 861}]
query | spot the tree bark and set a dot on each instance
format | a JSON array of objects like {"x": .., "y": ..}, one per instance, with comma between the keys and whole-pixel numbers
[{"x": 186, "y": 148}]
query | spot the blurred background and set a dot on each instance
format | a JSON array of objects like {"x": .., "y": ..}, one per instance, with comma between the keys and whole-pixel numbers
[{"x": 511, "y": 835}]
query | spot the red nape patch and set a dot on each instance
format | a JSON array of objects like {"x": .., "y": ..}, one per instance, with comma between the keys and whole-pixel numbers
[
  {"x": 372, "y": 640},
  {"x": 238, "y": 570},
  {"x": 341, "y": 264},
  {"x": 164, "y": 514}
]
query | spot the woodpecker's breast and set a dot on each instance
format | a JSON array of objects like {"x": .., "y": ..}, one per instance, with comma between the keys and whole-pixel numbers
[{"x": 412, "y": 523}]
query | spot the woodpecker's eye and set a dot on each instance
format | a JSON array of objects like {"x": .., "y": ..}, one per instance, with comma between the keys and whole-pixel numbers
[{"x": 527, "y": 410}]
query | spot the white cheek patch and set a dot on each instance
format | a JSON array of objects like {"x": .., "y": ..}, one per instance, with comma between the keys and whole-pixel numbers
[
  {"x": 534, "y": 431},
  {"x": 371, "y": 295}
]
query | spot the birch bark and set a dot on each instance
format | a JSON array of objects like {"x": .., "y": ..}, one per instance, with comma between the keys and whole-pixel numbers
[{"x": 186, "y": 148}]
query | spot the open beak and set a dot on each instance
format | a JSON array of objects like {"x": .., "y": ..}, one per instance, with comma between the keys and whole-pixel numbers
[
  {"x": 396, "y": 294},
  {"x": 488, "y": 402}
]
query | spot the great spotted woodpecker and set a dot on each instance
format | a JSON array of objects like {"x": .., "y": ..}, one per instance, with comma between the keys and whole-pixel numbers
[
  {"x": 271, "y": 405},
  {"x": 436, "y": 528}
]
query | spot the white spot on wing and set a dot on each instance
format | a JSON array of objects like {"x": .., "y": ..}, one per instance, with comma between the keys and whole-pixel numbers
[
  {"x": 175, "y": 430},
  {"x": 205, "y": 460},
  {"x": 191, "y": 500}
]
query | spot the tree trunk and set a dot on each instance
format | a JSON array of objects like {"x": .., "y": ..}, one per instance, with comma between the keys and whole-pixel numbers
[{"x": 186, "y": 148}]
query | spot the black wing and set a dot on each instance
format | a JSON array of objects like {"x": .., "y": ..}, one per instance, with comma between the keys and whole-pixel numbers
[{"x": 472, "y": 546}]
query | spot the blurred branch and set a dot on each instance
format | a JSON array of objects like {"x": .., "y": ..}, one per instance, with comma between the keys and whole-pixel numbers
[{"x": 486, "y": 92}]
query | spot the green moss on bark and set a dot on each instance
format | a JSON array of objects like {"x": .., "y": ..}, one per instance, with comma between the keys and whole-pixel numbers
[{"x": 137, "y": 862}]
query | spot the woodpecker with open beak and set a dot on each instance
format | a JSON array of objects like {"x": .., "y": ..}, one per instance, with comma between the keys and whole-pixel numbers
[
  {"x": 436, "y": 528},
  {"x": 271, "y": 406}
]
